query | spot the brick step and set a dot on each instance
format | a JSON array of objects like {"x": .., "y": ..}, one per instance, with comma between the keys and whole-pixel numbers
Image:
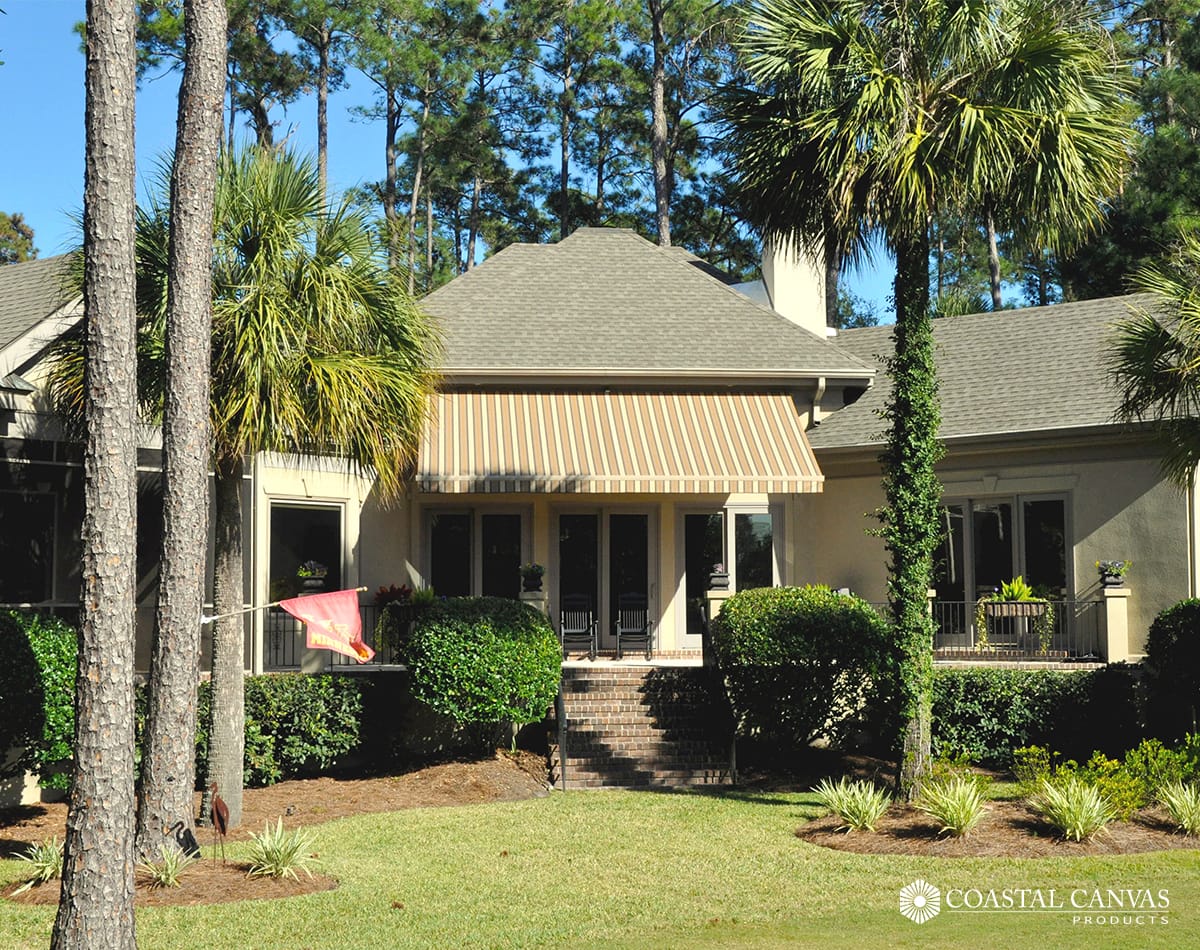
[{"x": 674, "y": 779}]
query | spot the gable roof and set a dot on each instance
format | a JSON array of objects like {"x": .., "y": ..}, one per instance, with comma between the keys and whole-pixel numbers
[
  {"x": 30, "y": 292},
  {"x": 606, "y": 302},
  {"x": 1013, "y": 372}
]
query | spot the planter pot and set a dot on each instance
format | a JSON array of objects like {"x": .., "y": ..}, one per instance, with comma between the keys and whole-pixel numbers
[
  {"x": 718, "y": 580},
  {"x": 312, "y": 585},
  {"x": 531, "y": 584},
  {"x": 1112, "y": 580},
  {"x": 1015, "y": 608}
]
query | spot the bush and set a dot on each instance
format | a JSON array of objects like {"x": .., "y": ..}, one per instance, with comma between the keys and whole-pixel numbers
[
  {"x": 1182, "y": 802},
  {"x": 296, "y": 724},
  {"x": 37, "y": 694},
  {"x": 988, "y": 713},
  {"x": 957, "y": 803},
  {"x": 1121, "y": 790},
  {"x": 859, "y": 805},
  {"x": 803, "y": 662},
  {"x": 1171, "y": 677},
  {"x": 1074, "y": 808},
  {"x": 484, "y": 660}
]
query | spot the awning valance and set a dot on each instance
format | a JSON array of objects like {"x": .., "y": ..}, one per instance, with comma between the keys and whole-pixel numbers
[{"x": 635, "y": 442}]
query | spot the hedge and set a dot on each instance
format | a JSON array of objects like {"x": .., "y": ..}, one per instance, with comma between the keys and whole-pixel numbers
[
  {"x": 37, "y": 695},
  {"x": 1171, "y": 685},
  {"x": 987, "y": 713},
  {"x": 297, "y": 724},
  {"x": 484, "y": 660},
  {"x": 802, "y": 662}
]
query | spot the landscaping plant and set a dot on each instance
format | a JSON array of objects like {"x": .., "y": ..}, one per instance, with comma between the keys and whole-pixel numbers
[
  {"x": 957, "y": 803},
  {"x": 859, "y": 805},
  {"x": 1182, "y": 802},
  {"x": 45, "y": 863},
  {"x": 167, "y": 871},
  {"x": 1074, "y": 808},
  {"x": 280, "y": 853},
  {"x": 801, "y": 663},
  {"x": 1171, "y": 671}
]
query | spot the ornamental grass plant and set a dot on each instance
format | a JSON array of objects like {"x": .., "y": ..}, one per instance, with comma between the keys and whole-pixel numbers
[
  {"x": 167, "y": 871},
  {"x": 279, "y": 853},
  {"x": 956, "y": 803},
  {"x": 1074, "y": 808},
  {"x": 859, "y": 805},
  {"x": 44, "y": 862},
  {"x": 1182, "y": 802}
]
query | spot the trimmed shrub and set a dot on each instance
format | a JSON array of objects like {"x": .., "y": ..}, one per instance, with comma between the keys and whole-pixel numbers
[
  {"x": 37, "y": 695},
  {"x": 296, "y": 725},
  {"x": 484, "y": 660},
  {"x": 988, "y": 713},
  {"x": 1171, "y": 677},
  {"x": 803, "y": 662}
]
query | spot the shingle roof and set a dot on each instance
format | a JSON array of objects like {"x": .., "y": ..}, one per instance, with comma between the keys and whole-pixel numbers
[
  {"x": 1012, "y": 372},
  {"x": 29, "y": 292},
  {"x": 607, "y": 301}
]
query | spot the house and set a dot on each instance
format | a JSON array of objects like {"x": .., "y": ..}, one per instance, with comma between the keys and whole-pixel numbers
[{"x": 621, "y": 414}]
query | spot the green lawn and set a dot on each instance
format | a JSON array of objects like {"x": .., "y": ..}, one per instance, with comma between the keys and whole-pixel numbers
[{"x": 644, "y": 870}]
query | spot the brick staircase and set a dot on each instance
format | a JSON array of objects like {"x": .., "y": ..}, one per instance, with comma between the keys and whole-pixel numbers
[{"x": 642, "y": 727}]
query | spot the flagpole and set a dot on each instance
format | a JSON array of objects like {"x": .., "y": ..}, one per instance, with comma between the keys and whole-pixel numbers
[{"x": 205, "y": 618}]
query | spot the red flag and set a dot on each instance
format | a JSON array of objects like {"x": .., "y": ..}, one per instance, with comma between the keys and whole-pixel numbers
[{"x": 333, "y": 622}]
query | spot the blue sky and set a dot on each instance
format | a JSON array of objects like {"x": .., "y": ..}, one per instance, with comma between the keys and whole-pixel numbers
[{"x": 41, "y": 87}]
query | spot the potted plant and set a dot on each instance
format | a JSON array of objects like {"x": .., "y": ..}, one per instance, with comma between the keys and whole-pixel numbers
[
  {"x": 1112, "y": 573},
  {"x": 312, "y": 576},
  {"x": 531, "y": 577},
  {"x": 719, "y": 578},
  {"x": 1016, "y": 598}
]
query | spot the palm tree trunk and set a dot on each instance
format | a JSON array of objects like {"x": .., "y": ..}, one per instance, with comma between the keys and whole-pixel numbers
[
  {"x": 169, "y": 759},
  {"x": 993, "y": 257},
  {"x": 96, "y": 900},
  {"x": 226, "y": 734},
  {"x": 913, "y": 499},
  {"x": 833, "y": 274}
]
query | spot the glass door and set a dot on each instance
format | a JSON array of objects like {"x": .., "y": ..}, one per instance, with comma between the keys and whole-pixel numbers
[
  {"x": 703, "y": 546},
  {"x": 628, "y": 561}
]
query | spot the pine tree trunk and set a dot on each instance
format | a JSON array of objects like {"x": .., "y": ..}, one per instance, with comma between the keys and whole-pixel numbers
[
  {"x": 415, "y": 197},
  {"x": 96, "y": 903},
  {"x": 566, "y": 104},
  {"x": 913, "y": 492},
  {"x": 226, "y": 742},
  {"x": 658, "y": 128},
  {"x": 391, "y": 129},
  {"x": 473, "y": 221},
  {"x": 324, "y": 39},
  {"x": 169, "y": 759}
]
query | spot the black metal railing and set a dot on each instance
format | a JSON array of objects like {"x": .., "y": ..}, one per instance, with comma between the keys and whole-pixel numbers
[
  {"x": 1049, "y": 630},
  {"x": 68, "y": 612},
  {"x": 284, "y": 638}
]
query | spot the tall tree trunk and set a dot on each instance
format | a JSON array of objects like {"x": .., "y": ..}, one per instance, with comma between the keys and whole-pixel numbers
[
  {"x": 324, "y": 39},
  {"x": 96, "y": 901},
  {"x": 567, "y": 104},
  {"x": 658, "y": 128},
  {"x": 602, "y": 142},
  {"x": 428, "y": 240},
  {"x": 913, "y": 493},
  {"x": 473, "y": 221},
  {"x": 415, "y": 197},
  {"x": 391, "y": 156},
  {"x": 833, "y": 273},
  {"x": 993, "y": 256},
  {"x": 169, "y": 760},
  {"x": 226, "y": 734}
]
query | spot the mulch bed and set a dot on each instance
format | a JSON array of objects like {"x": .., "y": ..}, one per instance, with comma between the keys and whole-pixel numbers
[
  {"x": 299, "y": 802},
  {"x": 1008, "y": 830}
]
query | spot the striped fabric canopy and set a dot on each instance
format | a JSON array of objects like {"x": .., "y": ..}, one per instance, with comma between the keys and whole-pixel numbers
[{"x": 635, "y": 442}]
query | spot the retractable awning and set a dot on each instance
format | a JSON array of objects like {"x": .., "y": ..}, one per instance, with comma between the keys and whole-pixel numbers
[{"x": 606, "y": 442}]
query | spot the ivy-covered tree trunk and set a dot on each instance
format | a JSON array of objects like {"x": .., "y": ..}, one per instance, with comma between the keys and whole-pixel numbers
[
  {"x": 96, "y": 904},
  {"x": 226, "y": 744},
  {"x": 169, "y": 762},
  {"x": 913, "y": 494}
]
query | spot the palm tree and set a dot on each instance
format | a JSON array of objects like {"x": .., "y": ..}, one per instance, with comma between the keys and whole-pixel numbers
[
  {"x": 316, "y": 349},
  {"x": 1155, "y": 357},
  {"x": 876, "y": 116}
]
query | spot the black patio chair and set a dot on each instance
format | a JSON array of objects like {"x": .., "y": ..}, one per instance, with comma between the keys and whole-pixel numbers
[
  {"x": 633, "y": 623},
  {"x": 577, "y": 623}
]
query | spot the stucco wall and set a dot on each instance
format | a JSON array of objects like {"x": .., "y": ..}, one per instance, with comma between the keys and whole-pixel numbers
[{"x": 1118, "y": 507}]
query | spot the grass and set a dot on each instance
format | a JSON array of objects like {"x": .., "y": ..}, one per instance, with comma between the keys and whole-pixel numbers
[{"x": 630, "y": 870}]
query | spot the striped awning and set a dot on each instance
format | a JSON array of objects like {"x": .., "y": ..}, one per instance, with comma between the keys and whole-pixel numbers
[{"x": 636, "y": 442}]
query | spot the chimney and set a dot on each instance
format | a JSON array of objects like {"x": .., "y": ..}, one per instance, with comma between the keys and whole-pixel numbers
[{"x": 794, "y": 278}]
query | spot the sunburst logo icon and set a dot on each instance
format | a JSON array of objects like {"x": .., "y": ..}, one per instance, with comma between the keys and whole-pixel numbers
[{"x": 920, "y": 901}]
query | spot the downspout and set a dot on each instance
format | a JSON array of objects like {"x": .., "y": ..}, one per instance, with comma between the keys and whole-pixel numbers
[
  {"x": 1193, "y": 501},
  {"x": 817, "y": 397}
]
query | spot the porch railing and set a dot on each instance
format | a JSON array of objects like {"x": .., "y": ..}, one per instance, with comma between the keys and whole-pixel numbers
[
  {"x": 1055, "y": 630},
  {"x": 284, "y": 642}
]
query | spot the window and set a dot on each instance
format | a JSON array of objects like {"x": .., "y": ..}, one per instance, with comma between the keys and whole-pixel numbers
[
  {"x": 26, "y": 546},
  {"x": 754, "y": 542},
  {"x": 303, "y": 533},
  {"x": 989, "y": 541},
  {"x": 472, "y": 552}
]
